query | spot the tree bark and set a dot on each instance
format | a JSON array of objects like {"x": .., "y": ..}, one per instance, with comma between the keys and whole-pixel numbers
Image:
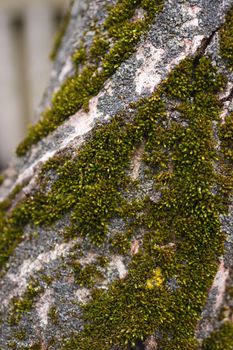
[{"x": 116, "y": 214}]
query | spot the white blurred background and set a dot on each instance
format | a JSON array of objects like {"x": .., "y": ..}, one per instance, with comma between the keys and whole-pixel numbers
[{"x": 27, "y": 30}]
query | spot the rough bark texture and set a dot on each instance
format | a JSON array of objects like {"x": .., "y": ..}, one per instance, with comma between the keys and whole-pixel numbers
[{"x": 116, "y": 217}]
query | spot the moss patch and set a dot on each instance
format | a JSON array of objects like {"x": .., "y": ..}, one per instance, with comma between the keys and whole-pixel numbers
[
  {"x": 24, "y": 304},
  {"x": 168, "y": 279},
  {"x": 112, "y": 45}
]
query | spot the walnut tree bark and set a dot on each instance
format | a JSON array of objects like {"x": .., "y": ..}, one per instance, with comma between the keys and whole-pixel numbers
[{"x": 116, "y": 214}]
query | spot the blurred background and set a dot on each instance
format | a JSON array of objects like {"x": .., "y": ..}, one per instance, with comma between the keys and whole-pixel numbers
[{"x": 27, "y": 31}]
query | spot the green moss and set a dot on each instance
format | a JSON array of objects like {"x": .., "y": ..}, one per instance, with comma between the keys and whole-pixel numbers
[
  {"x": 53, "y": 314},
  {"x": 113, "y": 43},
  {"x": 46, "y": 278},
  {"x": 21, "y": 334},
  {"x": 187, "y": 214},
  {"x": 102, "y": 261},
  {"x": 80, "y": 56},
  {"x": 222, "y": 339},
  {"x": 24, "y": 304},
  {"x": 88, "y": 276},
  {"x": 99, "y": 48},
  {"x": 120, "y": 243},
  {"x": 226, "y": 39},
  {"x": 225, "y": 179},
  {"x": 35, "y": 346}
]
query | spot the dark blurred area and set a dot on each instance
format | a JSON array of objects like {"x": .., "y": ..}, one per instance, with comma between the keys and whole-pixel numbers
[{"x": 27, "y": 30}]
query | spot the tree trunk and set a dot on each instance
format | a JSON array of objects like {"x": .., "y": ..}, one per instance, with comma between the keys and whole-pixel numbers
[{"x": 116, "y": 220}]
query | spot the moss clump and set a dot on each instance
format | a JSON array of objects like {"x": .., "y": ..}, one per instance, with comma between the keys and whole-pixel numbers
[
  {"x": 53, "y": 314},
  {"x": 222, "y": 339},
  {"x": 80, "y": 56},
  {"x": 10, "y": 233},
  {"x": 226, "y": 39},
  {"x": 24, "y": 304},
  {"x": 113, "y": 43},
  {"x": 99, "y": 48},
  {"x": 88, "y": 276},
  {"x": 21, "y": 334}
]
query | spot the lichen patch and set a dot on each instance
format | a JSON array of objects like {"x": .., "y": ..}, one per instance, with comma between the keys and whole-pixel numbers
[
  {"x": 30, "y": 266},
  {"x": 83, "y": 295},
  {"x": 219, "y": 285},
  {"x": 146, "y": 76},
  {"x": 43, "y": 306}
]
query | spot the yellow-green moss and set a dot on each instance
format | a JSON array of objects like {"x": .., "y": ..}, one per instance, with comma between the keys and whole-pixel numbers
[
  {"x": 113, "y": 43},
  {"x": 226, "y": 39}
]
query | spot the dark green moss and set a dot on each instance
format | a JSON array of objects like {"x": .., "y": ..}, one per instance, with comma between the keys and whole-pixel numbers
[
  {"x": 225, "y": 179},
  {"x": 222, "y": 339},
  {"x": 226, "y": 39},
  {"x": 109, "y": 49}
]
